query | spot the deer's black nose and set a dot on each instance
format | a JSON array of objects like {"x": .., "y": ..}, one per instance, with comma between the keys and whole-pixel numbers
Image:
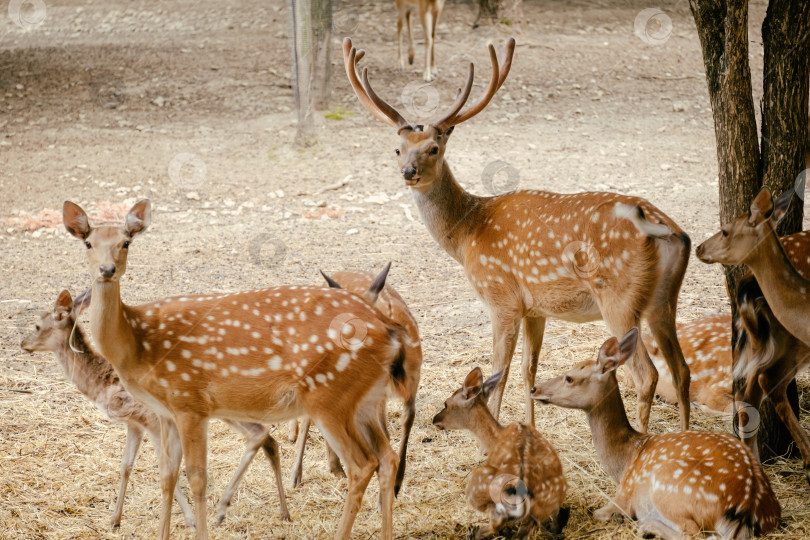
[
  {"x": 107, "y": 271},
  {"x": 408, "y": 172}
]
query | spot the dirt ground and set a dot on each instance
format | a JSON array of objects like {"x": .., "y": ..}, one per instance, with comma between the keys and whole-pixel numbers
[{"x": 190, "y": 104}]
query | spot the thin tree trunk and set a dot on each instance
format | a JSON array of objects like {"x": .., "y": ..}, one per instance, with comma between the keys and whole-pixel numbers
[
  {"x": 784, "y": 144},
  {"x": 487, "y": 10}
]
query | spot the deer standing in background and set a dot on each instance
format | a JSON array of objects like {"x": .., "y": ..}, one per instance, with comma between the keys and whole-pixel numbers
[
  {"x": 522, "y": 480},
  {"x": 267, "y": 356},
  {"x": 97, "y": 380},
  {"x": 675, "y": 484},
  {"x": 392, "y": 306},
  {"x": 533, "y": 255},
  {"x": 751, "y": 239},
  {"x": 429, "y": 12}
]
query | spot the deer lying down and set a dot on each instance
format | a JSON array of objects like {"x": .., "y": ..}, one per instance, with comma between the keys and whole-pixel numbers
[
  {"x": 675, "y": 484},
  {"x": 97, "y": 380},
  {"x": 390, "y": 304},
  {"x": 522, "y": 480}
]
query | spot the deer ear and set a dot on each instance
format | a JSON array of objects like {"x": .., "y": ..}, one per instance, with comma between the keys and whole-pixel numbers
[
  {"x": 490, "y": 384},
  {"x": 614, "y": 353},
  {"x": 447, "y": 132},
  {"x": 63, "y": 306},
  {"x": 761, "y": 207},
  {"x": 473, "y": 384},
  {"x": 781, "y": 205},
  {"x": 377, "y": 285},
  {"x": 75, "y": 220},
  {"x": 82, "y": 301},
  {"x": 139, "y": 217},
  {"x": 329, "y": 281}
]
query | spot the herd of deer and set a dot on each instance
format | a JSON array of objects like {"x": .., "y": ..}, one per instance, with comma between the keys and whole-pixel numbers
[{"x": 331, "y": 355}]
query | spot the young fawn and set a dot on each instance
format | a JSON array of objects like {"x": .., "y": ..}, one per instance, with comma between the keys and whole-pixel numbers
[
  {"x": 675, "y": 484},
  {"x": 266, "y": 356},
  {"x": 751, "y": 239},
  {"x": 392, "y": 306},
  {"x": 97, "y": 380},
  {"x": 522, "y": 480},
  {"x": 534, "y": 255}
]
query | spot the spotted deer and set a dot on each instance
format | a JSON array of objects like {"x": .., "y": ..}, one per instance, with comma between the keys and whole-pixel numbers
[
  {"x": 266, "y": 356},
  {"x": 522, "y": 480},
  {"x": 751, "y": 239},
  {"x": 391, "y": 305},
  {"x": 98, "y": 381},
  {"x": 533, "y": 255},
  {"x": 429, "y": 12},
  {"x": 674, "y": 484}
]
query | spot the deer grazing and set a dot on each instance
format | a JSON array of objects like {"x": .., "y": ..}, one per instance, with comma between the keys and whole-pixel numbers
[
  {"x": 522, "y": 480},
  {"x": 429, "y": 12},
  {"x": 266, "y": 356},
  {"x": 675, "y": 484},
  {"x": 706, "y": 346},
  {"x": 392, "y": 306},
  {"x": 751, "y": 239},
  {"x": 97, "y": 380},
  {"x": 533, "y": 255}
]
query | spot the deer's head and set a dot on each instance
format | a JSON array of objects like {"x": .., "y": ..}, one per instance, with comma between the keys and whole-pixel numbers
[
  {"x": 421, "y": 150},
  {"x": 107, "y": 245},
  {"x": 737, "y": 242},
  {"x": 584, "y": 386},
  {"x": 52, "y": 327},
  {"x": 473, "y": 393}
]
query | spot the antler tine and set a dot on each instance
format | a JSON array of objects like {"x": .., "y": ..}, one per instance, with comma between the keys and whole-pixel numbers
[
  {"x": 388, "y": 114},
  {"x": 382, "y": 105},
  {"x": 463, "y": 94},
  {"x": 498, "y": 78}
]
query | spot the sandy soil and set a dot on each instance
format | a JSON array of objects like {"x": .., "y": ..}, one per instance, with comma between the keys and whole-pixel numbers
[{"x": 189, "y": 103}]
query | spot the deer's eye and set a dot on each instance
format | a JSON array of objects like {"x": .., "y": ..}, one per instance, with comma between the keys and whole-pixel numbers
[
  {"x": 434, "y": 150},
  {"x": 396, "y": 151},
  {"x": 38, "y": 328},
  {"x": 725, "y": 232},
  {"x": 88, "y": 244},
  {"x": 568, "y": 379},
  {"x": 126, "y": 244}
]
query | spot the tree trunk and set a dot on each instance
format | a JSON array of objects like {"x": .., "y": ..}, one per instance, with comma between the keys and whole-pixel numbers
[
  {"x": 488, "y": 10},
  {"x": 722, "y": 26},
  {"x": 311, "y": 38}
]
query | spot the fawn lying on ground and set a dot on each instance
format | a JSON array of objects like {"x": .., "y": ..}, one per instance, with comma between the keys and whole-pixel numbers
[
  {"x": 97, "y": 380},
  {"x": 522, "y": 480},
  {"x": 675, "y": 484}
]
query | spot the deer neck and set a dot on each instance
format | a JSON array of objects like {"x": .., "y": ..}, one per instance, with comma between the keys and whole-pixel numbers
[
  {"x": 616, "y": 441},
  {"x": 84, "y": 369},
  {"x": 449, "y": 212},
  {"x": 113, "y": 334},
  {"x": 786, "y": 291},
  {"x": 484, "y": 427}
]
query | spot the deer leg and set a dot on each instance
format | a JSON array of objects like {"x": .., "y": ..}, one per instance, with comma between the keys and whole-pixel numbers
[
  {"x": 747, "y": 427},
  {"x": 293, "y": 430},
  {"x": 533, "y": 329},
  {"x": 427, "y": 25},
  {"x": 334, "y": 463},
  {"x": 300, "y": 445},
  {"x": 505, "y": 328},
  {"x": 399, "y": 42},
  {"x": 776, "y": 388},
  {"x": 169, "y": 458},
  {"x": 662, "y": 324},
  {"x": 386, "y": 472},
  {"x": 270, "y": 447},
  {"x": 410, "y": 37},
  {"x": 408, "y": 415},
  {"x": 134, "y": 438},
  {"x": 434, "y": 69},
  {"x": 193, "y": 430},
  {"x": 655, "y": 527}
]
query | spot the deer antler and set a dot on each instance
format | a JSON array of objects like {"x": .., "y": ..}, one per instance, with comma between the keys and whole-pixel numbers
[
  {"x": 453, "y": 117},
  {"x": 370, "y": 100}
]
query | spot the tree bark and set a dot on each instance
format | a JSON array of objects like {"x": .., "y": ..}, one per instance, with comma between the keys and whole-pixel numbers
[
  {"x": 488, "y": 10},
  {"x": 723, "y": 30}
]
